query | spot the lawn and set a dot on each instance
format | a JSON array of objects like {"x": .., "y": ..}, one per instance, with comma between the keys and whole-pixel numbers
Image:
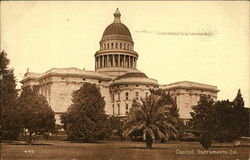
[{"x": 118, "y": 150}]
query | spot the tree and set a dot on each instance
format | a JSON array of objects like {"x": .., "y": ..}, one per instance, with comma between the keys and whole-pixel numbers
[
  {"x": 35, "y": 114},
  {"x": 168, "y": 100},
  {"x": 202, "y": 119},
  {"x": 241, "y": 115},
  {"x": 8, "y": 96},
  {"x": 238, "y": 102},
  {"x": 85, "y": 120},
  {"x": 202, "y": 114},
  {"x": 224, "y": 128},
  {"x": 224, "y": 121},
  {"x": 153, "y": 117}
]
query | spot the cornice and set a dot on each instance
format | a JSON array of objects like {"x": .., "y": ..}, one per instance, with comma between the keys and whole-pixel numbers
[
  {"x": 191, "y": 87},
  {"x": 116, "y": 52}
]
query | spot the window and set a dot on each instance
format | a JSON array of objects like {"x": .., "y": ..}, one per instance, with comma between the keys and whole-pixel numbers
[
  {"x": 127, "y": 46},
  {"x": 120, "y": 45},
  {"x": 118, "y": 109},
  {"x": 113, "y": 97},
  {"x": 126, "y": 95},
  {"x": 104, "y": 46},
  {"x": 99, "y": 81},
  {"x": 113, "y": 106},
  {"x": 83, "y": 79},
  {"x": 118, "y": 96},
  {"x": 126, "y": 85},
  {"x": 137, "y": 95},
  {"x": 124, "y": 45},
  {"x": 116, "y": 45},
  {"x": 137, "y": 85},
  {"x": 112, "y": 45},
  {"x": 126, "y": 108},
  {"x": 108, "y": 45},
  {"x": 146, "y": 94}
]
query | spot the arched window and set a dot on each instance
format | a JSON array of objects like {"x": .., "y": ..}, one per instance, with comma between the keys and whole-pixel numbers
[
  {"x": 120, "y": 45},
  {"x": 118, "y": 94},
  {"x": 127, "y": 46},
  {"x": 113, "y": 97},
  {"x": 126, "y": 108},
  {"x": 137, "y": 95},
  {"x": 118, "y": 109},
  {"x": 126, "y": 95},
  {"x": 116, "y": 45},
  {"x": 124, "y": 45},
  {"x": 108, "y": 45},
  {"x": 104, "y": 46},
  {"x": 112, "y": 45}
]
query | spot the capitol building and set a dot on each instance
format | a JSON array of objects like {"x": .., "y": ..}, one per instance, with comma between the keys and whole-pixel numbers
[{"x": 116, "y": 75}]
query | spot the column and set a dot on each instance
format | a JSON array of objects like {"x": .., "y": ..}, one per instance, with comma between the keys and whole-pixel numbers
[
  {"x": 132, "y": 62},
  {"x": 99, "y": 61},
  {"x": 107, "y": 60},
  {"x": 119, "y": 60},
  {"x": 95, "y": 62},
  {"x": 126, "y": 61},
  {"x": 135, "y": 63},
  {"x": 113, "y": 60},
  {"x": 129, "y": 61},
  {"x": 123, "y": 61},
  {"x": 103, "y": 61}
]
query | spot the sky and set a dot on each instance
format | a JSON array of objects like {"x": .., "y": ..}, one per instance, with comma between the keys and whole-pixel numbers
[{"x": 199, "y": 41}]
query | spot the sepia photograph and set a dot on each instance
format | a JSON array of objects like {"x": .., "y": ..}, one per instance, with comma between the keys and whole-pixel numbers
[{"x": 125, "y": 80}]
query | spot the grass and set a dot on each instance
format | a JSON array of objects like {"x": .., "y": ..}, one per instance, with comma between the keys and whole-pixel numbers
[{"x": 117, "y": 150}]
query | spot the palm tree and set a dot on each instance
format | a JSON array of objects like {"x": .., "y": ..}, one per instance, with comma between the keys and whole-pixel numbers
[{"x": 154, "y": 118}]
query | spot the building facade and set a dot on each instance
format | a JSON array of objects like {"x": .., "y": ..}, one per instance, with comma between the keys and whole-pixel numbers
[{"x": 116, "y": 75}]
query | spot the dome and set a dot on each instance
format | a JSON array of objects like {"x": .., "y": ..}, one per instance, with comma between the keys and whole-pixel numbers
[
  {"x": 137, "y": 78},
  {"x": 131, "y": 75},
  {"x": 117, "y": 29}
]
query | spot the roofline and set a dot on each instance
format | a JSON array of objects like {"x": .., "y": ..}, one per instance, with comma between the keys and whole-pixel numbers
[
  {"x": 75, "y": 75},
  {"x": 178, "y": 82},
  {"x": 191, "y": 87},
  {"x": 133, "y": 82}
]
